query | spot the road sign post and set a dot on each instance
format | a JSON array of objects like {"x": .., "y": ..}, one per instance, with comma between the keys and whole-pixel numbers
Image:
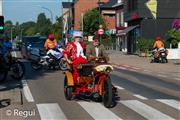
[{"x": 100, "y": 32}]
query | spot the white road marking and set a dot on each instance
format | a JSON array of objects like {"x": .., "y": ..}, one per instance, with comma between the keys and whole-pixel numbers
[
  {"x": 120, "y": 88},
  {"x": 148, "y": 71},
  {"x": 123, "y": 68},
  {"x": 132, "y": 70},
  {"x": 140, "y": 97},
  {"x": 177, "y": 79},
  {"x": 27, "y": 92},
  {"x": 51, "y": 111},
  {"x": 145, "y": 110},
  {"x": 98, "y": 111},
  {"x": 160, "y": 75},
  {"x": 173, "y": 103},
  {"x": 176, "y": 75},
  {"x": 136, "y": 68},
  {"x": 126, "y": 66}
]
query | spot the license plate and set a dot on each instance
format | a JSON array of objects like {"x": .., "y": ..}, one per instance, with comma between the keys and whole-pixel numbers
[{"x": 163, "y": 53}]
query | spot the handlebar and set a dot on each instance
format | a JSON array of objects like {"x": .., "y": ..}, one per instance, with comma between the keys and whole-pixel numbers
[{"x": 98, "y": 59}]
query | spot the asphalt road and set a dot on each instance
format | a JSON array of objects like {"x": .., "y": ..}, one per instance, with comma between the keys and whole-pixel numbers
[{"x": 140, "y": 96}]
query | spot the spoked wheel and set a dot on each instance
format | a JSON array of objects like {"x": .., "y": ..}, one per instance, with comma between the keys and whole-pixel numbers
[
  {"x": 67, "y": 90},
  {"x": 36, "y": 66},
  {"x": 18, "y": 70},
  {"x": 62, "y": 65},
  {"x": 107, "y": 94},
  {"x": 3, "y": 75}
]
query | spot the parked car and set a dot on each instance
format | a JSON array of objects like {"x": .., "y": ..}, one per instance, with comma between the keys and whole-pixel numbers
[{"x": 36, "y": 43}]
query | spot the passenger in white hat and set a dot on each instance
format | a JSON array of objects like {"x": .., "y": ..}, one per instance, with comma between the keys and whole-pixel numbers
[{"x": 74, "y": 54}]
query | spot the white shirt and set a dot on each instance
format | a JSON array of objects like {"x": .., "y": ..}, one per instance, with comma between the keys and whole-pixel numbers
[
  {"x": 79, "y": 49},
  {"x": 97, "y": 51}
]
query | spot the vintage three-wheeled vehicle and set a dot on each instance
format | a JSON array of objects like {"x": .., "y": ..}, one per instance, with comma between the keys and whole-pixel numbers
[{"x": 94, "y": 82}]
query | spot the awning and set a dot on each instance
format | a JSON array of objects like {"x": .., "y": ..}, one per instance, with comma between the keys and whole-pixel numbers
[{"x": 125, "y": 31}]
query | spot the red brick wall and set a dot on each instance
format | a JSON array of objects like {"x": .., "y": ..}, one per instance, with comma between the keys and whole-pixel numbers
[
  {"x": 82, "y": 6},
  {"x": 110, "y": 21}
]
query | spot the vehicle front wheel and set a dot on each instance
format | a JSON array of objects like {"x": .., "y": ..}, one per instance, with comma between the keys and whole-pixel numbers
[
  {"x": 107, "y": 93},
  {"x": 62, "y": 65},
  {"x": 36, "y": 65},
  {"x": 67, "y": 90},
  {"x": 18, "y": 70},
  {"x": 3, "y": 75}
]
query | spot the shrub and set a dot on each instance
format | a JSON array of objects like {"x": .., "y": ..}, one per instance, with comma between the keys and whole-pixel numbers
[
  {"x": 144, "y": 45},
  {"x": 174, "y": 35}
]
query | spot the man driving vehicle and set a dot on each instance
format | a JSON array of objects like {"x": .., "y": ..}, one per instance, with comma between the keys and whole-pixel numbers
[{"x": 96, "y": 50}]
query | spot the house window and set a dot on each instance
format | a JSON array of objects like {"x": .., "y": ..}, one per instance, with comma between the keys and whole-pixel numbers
[{"x": 132, "y": 5}]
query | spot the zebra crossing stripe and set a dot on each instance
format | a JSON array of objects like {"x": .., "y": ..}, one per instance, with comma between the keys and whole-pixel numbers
[
  {"x": 51, "y": 111},
  {"x": 27, "y": 92},
  {"x": 173, "y": 103},
  {"x": 140, "y": 97},
  {"x": 145, "y": 110},
  {"x": 98, "y": 111}
]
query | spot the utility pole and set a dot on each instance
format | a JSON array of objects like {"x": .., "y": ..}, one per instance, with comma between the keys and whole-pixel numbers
[
  {"x": 69, "y": 17},
  {"x": 49, "y": 12},
  {"x": 82, "y": 21},
  {"x": 99, "y": 2},
  {"x": 12, "y": 34},
  {"x": 1, "y": 7}
]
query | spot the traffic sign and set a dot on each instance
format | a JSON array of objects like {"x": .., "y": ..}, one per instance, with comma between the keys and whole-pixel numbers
[
  {"x": 1, "y": 24},
  {"x": 100, "y": 31}
]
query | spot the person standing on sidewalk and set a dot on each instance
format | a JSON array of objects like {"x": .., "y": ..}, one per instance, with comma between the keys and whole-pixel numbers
[{"x": 96, "y": 50}]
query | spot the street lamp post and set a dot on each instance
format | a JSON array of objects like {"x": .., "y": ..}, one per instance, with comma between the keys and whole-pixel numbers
[
  {"x": 99, "y": 2},
  {"x": 49, "y": 12},
  {"x": 11, "y": 33},
  {"x": 21, "y": 34}
]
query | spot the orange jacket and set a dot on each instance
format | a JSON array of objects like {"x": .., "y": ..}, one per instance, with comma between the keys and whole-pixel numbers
[
  {"x": 50, "y": 44},
  {"x": 158, "y": 44}
]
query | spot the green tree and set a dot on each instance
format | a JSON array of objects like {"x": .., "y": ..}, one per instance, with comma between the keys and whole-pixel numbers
[
  {"x": 174, "y": 35},
  {"x": 57, "y": 28},
  {"x": 7, "y": 32},
  {"x": 91, "y": 21},
  {"x": 29, "y": 28},
  {"x": 43, "y": 25}
]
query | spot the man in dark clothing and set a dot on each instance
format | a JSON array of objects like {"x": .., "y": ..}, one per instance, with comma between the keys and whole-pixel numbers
[{"x": 96, "y": 50}]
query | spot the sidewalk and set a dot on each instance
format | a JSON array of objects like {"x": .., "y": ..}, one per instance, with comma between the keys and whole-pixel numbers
[{"x": 134, "y": 61}]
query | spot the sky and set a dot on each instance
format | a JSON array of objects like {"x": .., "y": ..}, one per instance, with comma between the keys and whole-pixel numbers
[{"x": 28, "y": 10}]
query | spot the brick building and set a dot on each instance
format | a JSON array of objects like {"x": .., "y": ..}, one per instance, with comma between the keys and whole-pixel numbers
[
  {"x": 79, "y": 7},
  {"x": 109, "y": 13},
  {"x": 82, "y": 6}
]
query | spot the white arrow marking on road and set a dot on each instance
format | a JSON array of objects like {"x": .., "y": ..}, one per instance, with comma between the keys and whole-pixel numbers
[
  {"x": 141, "y": 97},
  {"x": 119, "y": 67},
  {"x": 160, "y": 75},
  {"x": 120, "y": 88},
  {"x": 177, "y": 79},
  {"x": 98, "y": 111},
  {"x": 145, "y": 110},
  {"x": 51, "y": 111},
  {"x": 173, "y": 103},
  {"x": 27, "y": 92}
]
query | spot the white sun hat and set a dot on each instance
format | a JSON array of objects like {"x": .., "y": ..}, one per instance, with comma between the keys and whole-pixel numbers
[{"x": 77, "y": 34}]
